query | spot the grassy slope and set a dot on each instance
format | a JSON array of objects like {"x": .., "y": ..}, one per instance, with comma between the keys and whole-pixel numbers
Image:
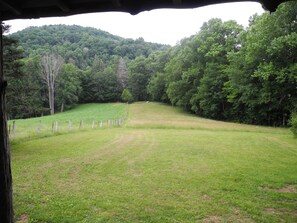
[
  {"x": 88, "y": 113},
  {"x": 163, "y": 166}
]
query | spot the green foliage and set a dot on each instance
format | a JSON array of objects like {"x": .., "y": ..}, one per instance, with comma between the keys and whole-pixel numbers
[
  {"x": 22, "y": 91},
  {"x": 68, "y": 87},
  {"x": 95, "y": 70},
  {"x": 263, "y": 72},
  {"x": 293, "y": 123},
  {"x": 227, "y": 73},
  {"x": 157, "y": 88},
  {"x": 223, "y": 72},
  {"x": 80, "y": 45},
  {"x": 138, "y": 78},
  {"x": 127, "y": 96}
]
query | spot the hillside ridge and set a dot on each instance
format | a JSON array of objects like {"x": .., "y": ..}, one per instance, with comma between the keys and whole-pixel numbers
[{"x": 80, "y": 45}]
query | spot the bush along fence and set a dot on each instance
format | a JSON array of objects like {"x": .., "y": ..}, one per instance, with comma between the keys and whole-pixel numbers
[{"x": 32, "y": 129}]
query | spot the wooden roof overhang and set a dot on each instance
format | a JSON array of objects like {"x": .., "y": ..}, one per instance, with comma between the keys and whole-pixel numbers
[{"x": 22, "y": 9}]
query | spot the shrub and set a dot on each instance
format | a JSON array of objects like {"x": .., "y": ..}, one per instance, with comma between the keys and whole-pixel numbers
[{"x": 127, "y": 96}]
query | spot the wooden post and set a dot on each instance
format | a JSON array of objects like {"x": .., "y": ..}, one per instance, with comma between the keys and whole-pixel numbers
[
  {"x": 39, "y": 127},
  {"x": 93, "y": 124},
  {"x": 6, "y": 207},
  {"x": 14, "y": 128},
  {"x": 101, "y": 124},
  {"x": 70, "y": 124}
]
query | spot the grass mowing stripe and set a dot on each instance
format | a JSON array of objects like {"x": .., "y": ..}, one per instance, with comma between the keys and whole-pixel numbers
[{"x": 157, "y": 175}]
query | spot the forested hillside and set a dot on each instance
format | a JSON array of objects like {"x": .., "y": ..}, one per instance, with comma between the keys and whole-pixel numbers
[
  {"x": 92, "y": 67},
  {"x": 223, "y": 72},
  {"x": 227, "y": 72},
  {"x": 79, "y": 45}
]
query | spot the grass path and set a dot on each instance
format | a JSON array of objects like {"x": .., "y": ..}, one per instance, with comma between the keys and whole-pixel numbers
[{"x": 163, "y": 166}]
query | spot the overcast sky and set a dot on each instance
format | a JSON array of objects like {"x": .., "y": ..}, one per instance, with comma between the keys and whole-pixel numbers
[{"x": 166, "y": 26}]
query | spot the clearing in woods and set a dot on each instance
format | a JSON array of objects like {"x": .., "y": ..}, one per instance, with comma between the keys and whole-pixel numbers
[{"x": 163, "y": 165}]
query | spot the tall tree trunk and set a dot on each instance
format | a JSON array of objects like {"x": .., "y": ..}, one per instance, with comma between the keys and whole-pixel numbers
[
  {"x": 62, "y": 107},
  {"x": 6, "y": 208},
  {"x": 52, "y": 101},
  {"x": 51, "y": 65}
]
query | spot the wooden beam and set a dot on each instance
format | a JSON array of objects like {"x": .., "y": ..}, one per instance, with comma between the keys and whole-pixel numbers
[
  {"x": 11, "y": 7},
  {"x": 6, "y": 208},
  {"x": 62, "y": 5}
]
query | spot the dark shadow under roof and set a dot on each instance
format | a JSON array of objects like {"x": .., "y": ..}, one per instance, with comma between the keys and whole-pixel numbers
[{"x": 22, "y": 9}]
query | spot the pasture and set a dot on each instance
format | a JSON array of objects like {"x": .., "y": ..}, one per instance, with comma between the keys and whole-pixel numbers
[
  {"x": 82, "y": 117},
  {"x": 162, "y": 165}
]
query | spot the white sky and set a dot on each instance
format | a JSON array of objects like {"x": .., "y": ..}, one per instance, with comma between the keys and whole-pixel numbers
[{"x": 166, "y": 26}]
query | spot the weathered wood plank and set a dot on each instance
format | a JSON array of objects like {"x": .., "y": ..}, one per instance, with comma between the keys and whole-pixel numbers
[{"x": 6, "y": 208}]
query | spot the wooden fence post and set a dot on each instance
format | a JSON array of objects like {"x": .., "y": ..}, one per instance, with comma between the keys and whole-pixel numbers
[
  {"x": 14, "y": 128},
  {"x": 82, "y": 126},
  {"x": 6, "y": 207},
  {"x": 39, "y": 127},
  {"x": 93, "y": 124}
]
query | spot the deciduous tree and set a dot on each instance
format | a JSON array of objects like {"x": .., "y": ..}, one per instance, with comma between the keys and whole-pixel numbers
[{"x": 51, "y": 64}]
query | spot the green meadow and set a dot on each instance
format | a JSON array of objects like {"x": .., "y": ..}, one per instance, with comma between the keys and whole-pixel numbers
[
  {"x": 161, "y": 165},
  {"x": 82, "y": 117}
]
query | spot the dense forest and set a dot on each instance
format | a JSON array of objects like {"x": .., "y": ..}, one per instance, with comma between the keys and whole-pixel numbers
[
  {"x": 224, "y": 72},
  {"x": 93, "y": 67}
]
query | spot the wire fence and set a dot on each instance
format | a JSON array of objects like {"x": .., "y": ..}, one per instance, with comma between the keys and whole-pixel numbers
[{"x": 19, "y": 130}]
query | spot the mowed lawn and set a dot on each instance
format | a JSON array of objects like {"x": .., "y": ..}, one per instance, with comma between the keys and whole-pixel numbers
[{"x": 163, "y": 165}]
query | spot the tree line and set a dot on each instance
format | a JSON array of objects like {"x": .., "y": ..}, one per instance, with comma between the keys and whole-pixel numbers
[
  {"x": 56, "y": 67},
  {"x": 224, "y": 72}
]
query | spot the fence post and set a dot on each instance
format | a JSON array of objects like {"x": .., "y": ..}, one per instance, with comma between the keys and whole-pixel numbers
[
  {"x": 93, "y": 123},
  {"x": 101, "y": 124},
  {"x": 70, "y": 124},
  {"x": 14, "y": 128},
  {"x": 56, "y": 126},
  {"x": 39, "y": 127}
]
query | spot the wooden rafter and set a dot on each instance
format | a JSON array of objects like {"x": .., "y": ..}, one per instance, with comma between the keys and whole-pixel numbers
[{"x": 14, "y": 9}]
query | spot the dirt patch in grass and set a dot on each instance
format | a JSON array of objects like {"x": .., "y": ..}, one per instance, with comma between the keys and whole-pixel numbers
[
  {"x": 235, "y": 217},
  {"x": 212, "y": 219},
  {"x": 24, "y": 218},
  {"x": 280, "y": 211},
  {"x": 288, "y": 189}
]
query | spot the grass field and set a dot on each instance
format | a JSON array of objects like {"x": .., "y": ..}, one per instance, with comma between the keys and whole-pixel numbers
[
  {"x": 88, "y": 113},
  {"x": 163, "y": 165}
]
